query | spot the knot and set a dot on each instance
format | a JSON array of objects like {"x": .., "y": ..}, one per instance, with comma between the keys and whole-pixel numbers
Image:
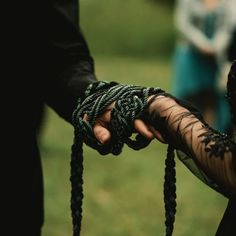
[{"x": 124, "y": 113}]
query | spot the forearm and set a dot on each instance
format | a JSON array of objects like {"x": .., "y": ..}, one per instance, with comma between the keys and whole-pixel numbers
[{"x": 212, "y": 152}]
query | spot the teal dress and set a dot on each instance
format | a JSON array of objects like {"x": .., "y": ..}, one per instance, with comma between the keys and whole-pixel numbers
[{"x": 194, "y": 72}]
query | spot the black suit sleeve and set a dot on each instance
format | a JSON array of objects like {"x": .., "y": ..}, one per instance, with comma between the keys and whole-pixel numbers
[{"x": 70, "y": 67}]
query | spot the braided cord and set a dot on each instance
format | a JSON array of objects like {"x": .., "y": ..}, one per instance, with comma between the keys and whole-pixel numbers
[
  {"x": 131, "y": 102},
  {"x": 76, "y": 179},
  {"x": 170, "y": 191}
]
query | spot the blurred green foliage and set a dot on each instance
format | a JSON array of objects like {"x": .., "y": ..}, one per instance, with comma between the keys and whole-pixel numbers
[{"x": 131, "y": 27}]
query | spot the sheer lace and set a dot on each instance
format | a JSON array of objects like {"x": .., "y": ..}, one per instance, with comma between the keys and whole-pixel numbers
[{"x": 209, "y": 154}]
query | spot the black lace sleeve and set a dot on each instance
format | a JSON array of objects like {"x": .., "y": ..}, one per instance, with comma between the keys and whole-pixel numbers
[
  {"x": 218, "y": 144},
  {"x": 209, "y": 154}
]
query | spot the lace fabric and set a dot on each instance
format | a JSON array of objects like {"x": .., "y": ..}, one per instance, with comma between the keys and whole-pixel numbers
[{"x": 209, "y": 154}]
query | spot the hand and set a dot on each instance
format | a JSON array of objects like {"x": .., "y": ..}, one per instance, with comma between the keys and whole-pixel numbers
[
  {"x": 209, "y": 51},
  {"x": 103, "y": 134}
]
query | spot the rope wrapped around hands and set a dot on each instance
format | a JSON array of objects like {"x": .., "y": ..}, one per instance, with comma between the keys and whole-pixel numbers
[{"x": 130, "y": 103}]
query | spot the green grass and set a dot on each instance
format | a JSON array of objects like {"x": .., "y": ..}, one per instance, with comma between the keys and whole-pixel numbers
[{"x": 124, "y": 194}]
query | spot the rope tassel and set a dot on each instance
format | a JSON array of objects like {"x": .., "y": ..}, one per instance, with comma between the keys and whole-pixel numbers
[{"x": 131, "y": 102}]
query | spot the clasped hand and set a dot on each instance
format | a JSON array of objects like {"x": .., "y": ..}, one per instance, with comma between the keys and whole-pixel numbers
[{"x": 103, "y": 135}]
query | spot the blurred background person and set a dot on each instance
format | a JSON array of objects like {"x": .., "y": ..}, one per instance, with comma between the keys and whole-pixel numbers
[{"x": 204, "y": 33}]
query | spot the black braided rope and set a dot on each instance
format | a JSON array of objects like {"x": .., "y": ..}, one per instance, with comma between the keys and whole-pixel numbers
[
  {"x": 130, "y": 103},
  {"x": 170, "y": 190}
]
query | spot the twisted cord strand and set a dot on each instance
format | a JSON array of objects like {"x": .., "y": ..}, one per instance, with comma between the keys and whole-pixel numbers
[
  {"x": 170, "y": 190},
  {"x": 77, "y": 186},
  {"x": 131, "y": 102}
]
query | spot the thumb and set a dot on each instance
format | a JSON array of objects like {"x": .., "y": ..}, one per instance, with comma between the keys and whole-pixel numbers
[{"x": 101, "y": 133}]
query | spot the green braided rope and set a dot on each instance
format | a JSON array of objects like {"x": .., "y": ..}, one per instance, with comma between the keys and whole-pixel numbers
[{"x": 131, "y": 102}]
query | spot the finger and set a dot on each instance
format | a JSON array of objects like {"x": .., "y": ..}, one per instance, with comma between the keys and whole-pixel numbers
[
  {"x": 106, "y": 116},
  {"x": 85, "y": 117},
  {"x": 156, "y": 97},
  {"x": 143, "y": 129},
  {"x": 157, "y": 134},
  {"x": 102, "y": 134}
]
